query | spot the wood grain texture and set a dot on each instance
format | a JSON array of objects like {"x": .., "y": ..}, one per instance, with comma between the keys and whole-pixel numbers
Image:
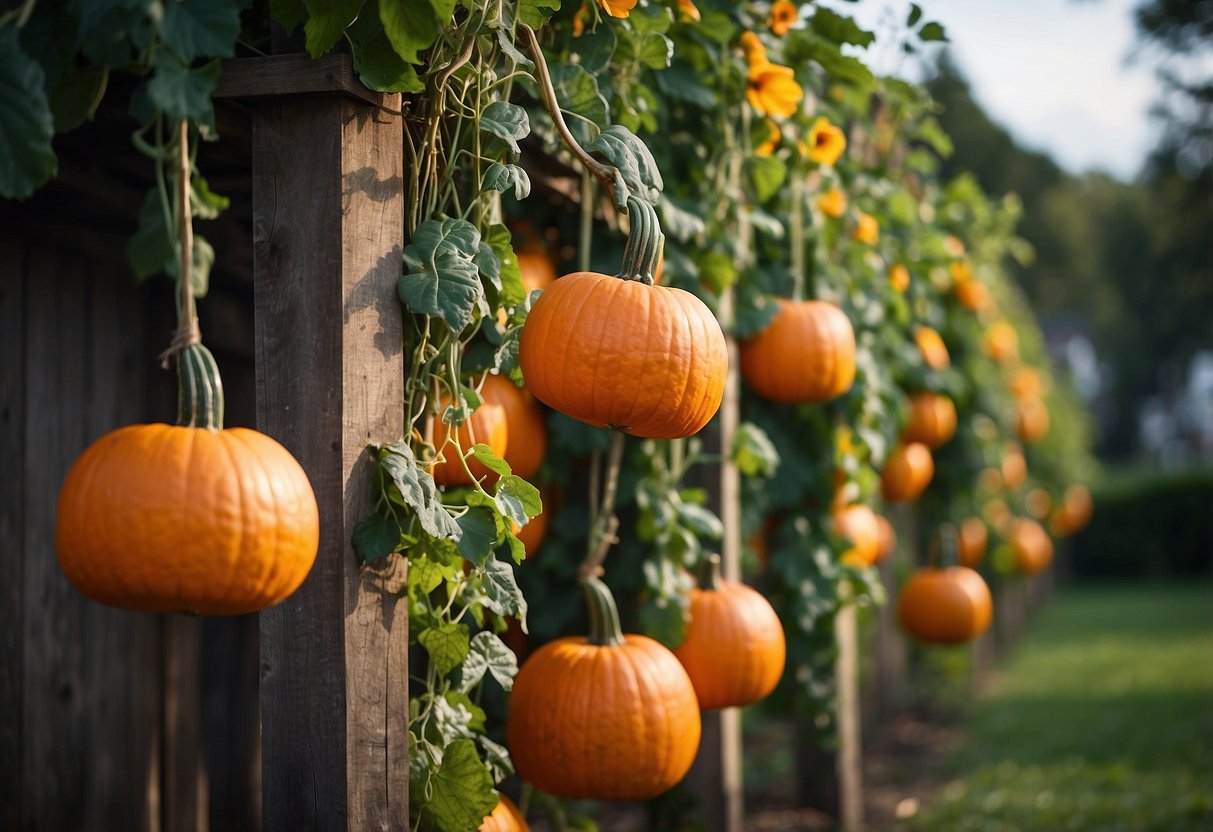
[
  {"x": 850, "y": 750},
  {"x": 289, "y": 75},
  {"x": 328, "y": 225}
]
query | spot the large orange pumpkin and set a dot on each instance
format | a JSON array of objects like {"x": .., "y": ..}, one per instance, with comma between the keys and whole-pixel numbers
[
  {"x": 807, "y": 354},
  {"x": 505, "y": 817},
  {"x": 608, "y": 717},
  {"x": 945, "y": 606},
  {"x": 487, "y": 425},
  {"x": 1032, "y": 545},
  {"x": 932, "y": 420},
  {"x": 734, "y": 650},
  {"x": 971, "y": 542},
  {"x": 526, "y": 431},
  {"x": 907, "y": 472},
  {"x": 1074, "y": 513},
  {"x": 189, "y": 517},
  {"x": 858, "y": 524},
  {"x": 1033, "y": 420}
]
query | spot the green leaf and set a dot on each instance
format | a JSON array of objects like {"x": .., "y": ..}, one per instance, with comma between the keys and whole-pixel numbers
[
  {"x": 381, "y": 68},
  {"x": 289, "y": 14},
  {"x": 933, "y": 134},
  {"x": 679, "y": 222},
  {"x": 413, "y": 25},
  {"x": 636, "y": 170},
  {"x": 754, "y": 314},
  {"x": 577, "y": 92},
  {"x": 417, "y": 490},
  {"x": 517, "y": 499},
  {"x": 442, "y": 278},
  {"x": 475, "y": 721},
  {"x": 513, "y": 293},
  {"x": 425, "y": 575},
  {"x": 839, "y": 29},
  {"x": 933, "y": 32},
  {"x": 915, "y": 14},
  {"x": 497, "y": 757},
  {"x": 504, "y": 178},
  {"x": 767, "y": 174},
  {"x": 652, "y": 50},
  {"x": 181, "y": 92},
  {"x": 506, "y": 121},
  {"x": 753, "y": 451},
  {"x": 447, "y": 645},
  {"x": 535, "y": 13},
  {"x": 462, "y": 789},
  {"x": 504, "y": 596},
  {"x": 716, "y": 269},
  {"x": 152, "y": 250},
  {"x": 508, "y": 47},
  {"x": 702, "y": 521},
  {"x": 488, "y": 653},
  {"x": 76, "y": 97},
  {"x": 682, "y": 82},
  {"x": 376, "y": 537},
  {"x": 26, "y": 126},
  {"x": 194, "y": 28},
  {"x": 490, "y": 460},
  {"x": 326, "y": 21},
  {"x": 205, "y": 203},
  {"x": 479, "y": 534},
  {"x": 595, "y": 49},
  {"x": 804, "y": 45}
]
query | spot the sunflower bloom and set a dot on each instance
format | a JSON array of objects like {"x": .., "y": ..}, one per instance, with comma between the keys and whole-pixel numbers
[
  {"x": 867, "y": 230},
  {"x": 755, "y": 52},
  {"x": 772, "y": 140},
  {"x": 688, "y": 10},
  {"x": 772, "y": 90},
  {"x": 934, "y": 350},
  {"x": 826, "y": 142},
  {"x": 783, "y": 15},
  {"x": 899, "y": 277},
  {"x": 833, "y": 203},
  {"x": 617, "y": 8}
]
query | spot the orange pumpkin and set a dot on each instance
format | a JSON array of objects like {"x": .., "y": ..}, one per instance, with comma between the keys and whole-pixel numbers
[
  {"x": 1033, "y": 421},
  {"x": 734, "y": 650},
  {"x": 932, "y": 420},
  {"x": 945, "y": 606},
  {"x": 1032, "y": 545},
  {"x": 857, "y": 523},
  {"x": 608, "y": 717},
  {"x": 1026, "y": 384},
  {"x": 487, "y": 424},
  {"x": 188, "y": 517},
  {"x": 1014, "y": 466},
  {"x": 972, "y": 294},
  {"x": 971, "y": 542},
  {"x": 907, "y": 472},
  {"x": 1074, "y": 513},
  {"x": 934, "y": 351},
  {"x": 1001, "y": 342},
  {"x": 505, "y": 817},
  {"x": 1038, "y": 502},
  {"x": 807, "y": 354},
  {"x": 525, "y": 428},
  {"x": 887, "y": 537},
  {"x": 621, "y": 353},
  {"x": 536, "y": 266}
]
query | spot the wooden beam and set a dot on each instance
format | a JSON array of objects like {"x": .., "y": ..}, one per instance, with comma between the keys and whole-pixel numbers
[
  {"x": 328, "y": 213},
  {"x": 290, "y": 75}
]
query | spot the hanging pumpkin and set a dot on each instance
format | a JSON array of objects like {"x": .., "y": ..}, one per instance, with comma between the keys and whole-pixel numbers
[
  {"x": 971, "y": 542},
  {"x": 806, "y": 354},
  {"x": 487, "y": 424},
  {"x": 945, "y": 606},
  {"x": 621, "y": 353},
  {"x": 608, "y": 717},
  {"x": 972, "y": 294},
  {"x": 857, "y": 523},
  {"x": 1074, "y": 513},
  {"x": 887, "y": 538},
  {"x": 1001, "y": 342},
  {"x": 1032, "y": 545},
  {"x": 934, "y": 351},
  {"x": 526, "y": 431},
  {"x": 1033, "y": 419},
  {"x": 1026, "y": 384},
  {"x": 505, "y": 817},
  {"x": 907, "y": 472},
  {"x": 188, "y": 517},
  {"x": 734, "y": 650},
  {"x": 932, "y": 420},
  {"x": 1014, "y": 466}
]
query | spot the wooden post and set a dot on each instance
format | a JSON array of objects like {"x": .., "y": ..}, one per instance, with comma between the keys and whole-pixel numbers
[
  {"x": 328, "y": 242},
  {"x": 850, "y": 752}
]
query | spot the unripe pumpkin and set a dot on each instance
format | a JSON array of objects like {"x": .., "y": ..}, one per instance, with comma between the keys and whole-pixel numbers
[
  {"x": 608, "y": 717},
  {"x": 932, "y": 420},
  {"x": 1032, "y": 545},
  {"x": 971, "y": 542},
  {"x": 945, "y": 606},
  {"x": 858, "y": 524},
  {"x": 526, "y": 431},
  {"x": 505, "y": 817},
  {"x": 486, "y": 424},
  {"x": 907, "y": 472},
  {"x": 806, "y": 354},
  {"x": 734, "y": 650},
  {"x": 1033, "y": 419}
]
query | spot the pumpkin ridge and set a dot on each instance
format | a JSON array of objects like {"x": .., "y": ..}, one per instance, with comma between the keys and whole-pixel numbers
[
  {"x": 641, "y": 385},
  {"x": 233, "y": 587},
  {"x": 578, "y": 327},
  {"x": 269, "y": 584},
  {"x": 615, "y": 333},
  {"x": 647, "y": 680},
  {"x": 680, "y": 363}
]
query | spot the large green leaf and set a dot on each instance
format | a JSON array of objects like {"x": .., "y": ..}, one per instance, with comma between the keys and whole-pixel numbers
[
  {"x": 376, "y": 537},
  {"x": 767, "y": 174},
  {"x": 412, "y": 26},
  {"x": 442, "y": 278},
  {"x": 498, "y": 237},
  {"x": 504, "y": 596},
  {"x": 489, "y": 654},
  {"x": 838, "y": 28},
  {"x": 447, "y": 645},
  {"x": 505, "y": 178},
  {"x": 517, "y": 499},
  {"x": 753, "y": 451},
  {"x": 194, "y": 28},
  {"x": 506, "y": 121},
  {"x": 415, "y": 488},
  {"x": 182, "y": 92},
  {"x": 152, "y": 250},
  {"x": 377, "y": 63},
  {"x": 26, "y": 126},
  {"x": 462, "y": 789},
  {"x": 479, "y": 533},
  {"x": 577, "y": 92},
  {"x": 535, "y": 13},
  {"x": 327, "y": 19}
]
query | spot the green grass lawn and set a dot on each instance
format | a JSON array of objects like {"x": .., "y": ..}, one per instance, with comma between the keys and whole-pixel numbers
[{"x": 1101, "y": 719}]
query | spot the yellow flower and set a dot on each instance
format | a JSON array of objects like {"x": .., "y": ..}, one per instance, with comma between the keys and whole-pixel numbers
[
  {"x": 899, "y": 277},
  {"x": 867, "y": 230},
  {"x": 844, "y": 441},
  {"x": 772, "y": 90},
  {"x": 826, "y": 142},
  {"x": 934, "y": 350},
  {"x": 755, "y": 52},
  {"x": 833, "y": 203},
  {"x": 688, "y": 10},
  {"x": 783, "y": 15},
  {"x": 962, "y": 271},
  {"x": 617, "y": 8},
  {"x": 772, "y": 140}
]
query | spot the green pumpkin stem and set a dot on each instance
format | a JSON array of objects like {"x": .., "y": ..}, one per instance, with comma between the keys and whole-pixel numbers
[
  {"x": 199, "y": 389},
  {"x": 604, "y": 615},
  {"x": 644, "y": 244},
  {"x": 709, "y": 573}
]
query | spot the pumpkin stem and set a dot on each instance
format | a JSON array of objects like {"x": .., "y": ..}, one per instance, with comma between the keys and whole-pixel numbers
[
  {"x": 645, "y": 242},
  {"x": 604, "y": 615},
  {"x": 709, "y": 573},
  {"x": 199, "y": 389}
]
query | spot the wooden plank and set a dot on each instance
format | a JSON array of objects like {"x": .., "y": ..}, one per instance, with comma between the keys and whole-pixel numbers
[
  {"x": 183, "y": 778},
  {"x": 231, "y": 723},
  {"x": 287, "y": 75},
  {"x": 12, "y": 531},
  {"x": 328, "y": 228},
  {"x": 850, "y": 750}
]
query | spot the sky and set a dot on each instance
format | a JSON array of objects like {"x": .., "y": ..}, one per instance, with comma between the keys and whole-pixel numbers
[{"x": 1053, "y": 72}]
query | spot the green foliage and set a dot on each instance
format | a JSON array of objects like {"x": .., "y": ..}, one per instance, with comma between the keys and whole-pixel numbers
[{"x": 26, "y": 125}]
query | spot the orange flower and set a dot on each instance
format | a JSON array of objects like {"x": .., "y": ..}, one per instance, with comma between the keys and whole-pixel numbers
[
  {"x": 579, "y": 20},
  {"x": 755, "y": 52},
  {"x": 867, "y": 230},
  {"x": 833, "y": 203},
  {"x": 961, "y": 270},
  {"x": 772, "y": 90},
  {"x": 772, "y": 140},
  {"x": 617, "y": 8},
  {"x": 934, "y": 350},
  {"x": 783, "y": 15},
  {"x": 899, "y": 277},
  {"x": 826, "y": 142},
  {"x": 688, "y": 10}
]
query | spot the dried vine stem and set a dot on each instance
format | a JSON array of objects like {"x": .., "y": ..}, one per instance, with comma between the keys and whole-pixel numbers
[
  {"x": 604, "y": 523},
  {"x": 188, "y": 332}
]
